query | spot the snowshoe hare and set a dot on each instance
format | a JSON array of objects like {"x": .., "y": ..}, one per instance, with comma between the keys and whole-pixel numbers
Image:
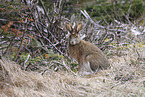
[{"x": 86, "y": 54}]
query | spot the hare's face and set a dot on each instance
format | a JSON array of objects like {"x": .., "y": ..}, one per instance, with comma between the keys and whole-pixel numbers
[{"x": 74, "y": 37}]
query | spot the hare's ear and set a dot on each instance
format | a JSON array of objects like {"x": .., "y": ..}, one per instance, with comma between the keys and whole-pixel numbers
[
  {"x": 68, "y": 26},
  {"x": 79, "y": 27}
]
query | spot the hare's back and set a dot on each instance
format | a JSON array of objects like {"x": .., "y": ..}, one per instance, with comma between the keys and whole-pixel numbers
[{"x": 90, "y": 48}]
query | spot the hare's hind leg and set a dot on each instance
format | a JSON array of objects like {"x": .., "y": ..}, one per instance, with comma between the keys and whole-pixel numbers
[
  {"x": 87, "y": 67},
  {"x": 93, "y": 62},
  {"x": 84, "y": 68}
]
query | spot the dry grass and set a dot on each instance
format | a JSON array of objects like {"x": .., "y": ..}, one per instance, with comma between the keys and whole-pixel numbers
[{"x": 125, "y": 77}]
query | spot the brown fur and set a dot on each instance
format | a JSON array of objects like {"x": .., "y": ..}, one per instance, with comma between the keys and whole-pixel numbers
[{"x": 85, "y": 53}]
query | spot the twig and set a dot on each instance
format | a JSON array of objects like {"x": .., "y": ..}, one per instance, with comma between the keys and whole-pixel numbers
[
  {"x": 26, "y": 61},
  {"x": 21, "y": 42},
  {"x": 68, "y": 68},
  {"x": 9, "y": 46},
  {"x": 45, "y": 12},
  {"x": 40, "y": 32}
]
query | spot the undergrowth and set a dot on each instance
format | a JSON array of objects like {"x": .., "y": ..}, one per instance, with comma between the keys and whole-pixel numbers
[{"x": 125, "y": 77}]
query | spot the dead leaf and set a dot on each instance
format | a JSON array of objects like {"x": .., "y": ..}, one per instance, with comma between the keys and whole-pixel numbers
[
  {"x": 23, "y": 14},
  {"x": 30, "y": 19},
  {"x": 5, "y": 29},
  {"x": 31, "y": 36},
  {"x": 20, "y": 32},
  {"x": 15, "y": 31},
  {"x": 11, "y": 23},
  {"x": 26, "y": 40},
  {"x": 47, "y": 56},
  {"x": 22, "y": 21},
  {"x": 1, "y": 9}
]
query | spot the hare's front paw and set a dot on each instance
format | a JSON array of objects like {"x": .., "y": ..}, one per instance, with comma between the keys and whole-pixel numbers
[{"x": 82, "y": 73}]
